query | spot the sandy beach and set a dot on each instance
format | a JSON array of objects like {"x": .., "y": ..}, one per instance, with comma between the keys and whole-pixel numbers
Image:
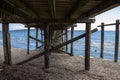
[{"x": 62, "y": 67}]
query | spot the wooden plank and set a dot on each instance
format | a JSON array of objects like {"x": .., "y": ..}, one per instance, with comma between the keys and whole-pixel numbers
[
  {"x": 24, "y": 7},
  {"x": 87, "y": 46},
  {"x": 36, "y": 38},
  {"x": 72, "y": 35},
  {"x": 6, "y": 44},
  {"x": 28, "y": 40},
  {"x": 56, "y": 47},
  {"x": 50, "y": 21},
  {"x": 102, "y": 40},
  {"x": 116, "y": 41}
]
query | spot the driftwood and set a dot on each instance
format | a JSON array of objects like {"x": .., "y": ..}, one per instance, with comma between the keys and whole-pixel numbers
[{"x": 56, "y": 47}]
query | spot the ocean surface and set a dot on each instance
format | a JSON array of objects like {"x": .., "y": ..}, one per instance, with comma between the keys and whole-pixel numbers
[{"x": 19, "y": 40}]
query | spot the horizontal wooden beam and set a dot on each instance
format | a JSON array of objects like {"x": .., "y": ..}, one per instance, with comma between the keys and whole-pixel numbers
[
  {"x": 50, "y": 21},
  {"x": 56, "y": 47},
  {"x": 11, "y": 10},
  {"x": 107, "y": 24},
  {"x": 104, "y": 6},
  {"x": 21, "y": 4}
]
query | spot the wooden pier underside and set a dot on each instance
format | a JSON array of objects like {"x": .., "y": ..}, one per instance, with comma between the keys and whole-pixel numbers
[{"x": 50, "y": 15}]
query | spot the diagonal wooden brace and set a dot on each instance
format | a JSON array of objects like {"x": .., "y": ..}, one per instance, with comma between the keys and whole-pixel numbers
[{"x": 56, "y": 47}]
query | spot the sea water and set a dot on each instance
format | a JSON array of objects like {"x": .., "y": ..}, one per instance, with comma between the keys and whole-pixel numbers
[{"x": 19, "y": 40}]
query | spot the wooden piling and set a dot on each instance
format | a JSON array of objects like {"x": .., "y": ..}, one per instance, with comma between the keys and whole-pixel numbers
[
  {"x": 6, "y": 44},
  {"x": 102, "y": 41},
  {"x": 87, "y": 46},
  {"x": 36, "y": 38},
  {"x": 28, "y": 40},
  {"x": 116, "y": 41},
  {"x": 42, "y": 36},
  {"x": 46, "y": 46},
  {"x": 72, "y": 35},
  {"x": 66, "y": 31}
]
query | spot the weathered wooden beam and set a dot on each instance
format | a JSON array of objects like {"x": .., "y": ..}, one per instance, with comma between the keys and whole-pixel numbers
[
  {"x": 87, "y": 46},
  {"x": 116, "y": 41},
  {"x": 36, "y": 39},
  {"x": 5, "y": 12},
  {"x": 102, "y": 41},
  {"x": 74, "y": 12},
  {"x": 6, "y": 44},
  {"x": 52, "y": 7},
  {"x": 11, "y": 10},
  {"x": 102, "y": 7},
  {"x": 57, "y": 47},
  {"x": 21, "y": 4},
  {"x": 50, "y": 21},
  {"x": 28, "y": 40}
]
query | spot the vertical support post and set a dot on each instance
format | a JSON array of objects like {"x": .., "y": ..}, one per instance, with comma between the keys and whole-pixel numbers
[
  {"x": 42, "y": 36},
  {"x": 116, "y": 41},
  {"x": 46, "y": 46},
  {"x": 87, "y": 46},
  {"x": 28, "y": 40},
  {"x": 66, "y": 31},
  {"x": 62, "y": 36},
  {"x": 72, "y": 35},
  {"x": 50, "y": 34},
  {"x": 36, "y": 38},
  {"x": 102, "y": 40},
  {"x": 6, "y": 44}
]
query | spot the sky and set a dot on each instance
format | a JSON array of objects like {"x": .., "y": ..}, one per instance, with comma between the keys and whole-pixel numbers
[{"x": 107, "y": 17}]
